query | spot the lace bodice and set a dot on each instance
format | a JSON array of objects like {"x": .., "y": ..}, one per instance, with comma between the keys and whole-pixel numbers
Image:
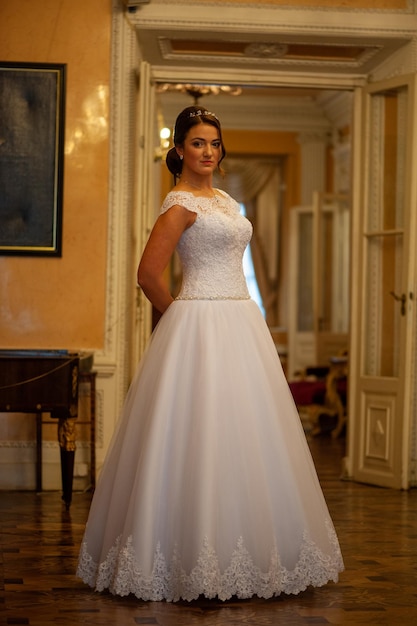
[{"x": 211, "y": 250}]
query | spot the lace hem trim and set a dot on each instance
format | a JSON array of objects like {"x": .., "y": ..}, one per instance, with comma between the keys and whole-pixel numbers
[{"x": 169, "y": 581}]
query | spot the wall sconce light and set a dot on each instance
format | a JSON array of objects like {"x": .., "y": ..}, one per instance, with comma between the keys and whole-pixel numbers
[{"x": 162, "y": 149}]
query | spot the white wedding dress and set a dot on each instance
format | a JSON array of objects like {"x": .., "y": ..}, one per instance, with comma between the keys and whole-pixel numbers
[{"x": 209, "y": 487}]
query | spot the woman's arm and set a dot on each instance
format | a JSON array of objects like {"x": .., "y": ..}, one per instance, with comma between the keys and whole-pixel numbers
[{"x": 158, "y": 251}]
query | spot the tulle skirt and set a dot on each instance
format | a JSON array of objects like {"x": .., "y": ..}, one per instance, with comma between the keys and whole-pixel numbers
[{"x": 209, "y": 487}]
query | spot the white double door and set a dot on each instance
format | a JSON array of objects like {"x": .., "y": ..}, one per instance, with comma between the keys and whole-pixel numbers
[{"x": 381, "y": 404}]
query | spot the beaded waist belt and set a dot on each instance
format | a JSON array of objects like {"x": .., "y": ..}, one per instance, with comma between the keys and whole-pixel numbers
[{"x": 212, "y": 298}]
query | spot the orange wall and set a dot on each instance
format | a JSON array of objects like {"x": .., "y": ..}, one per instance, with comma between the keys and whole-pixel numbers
[{"x": 59, "y": 302}]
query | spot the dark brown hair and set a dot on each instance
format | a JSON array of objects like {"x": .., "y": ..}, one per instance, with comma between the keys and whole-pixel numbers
[{"x": 189, "y": 117}]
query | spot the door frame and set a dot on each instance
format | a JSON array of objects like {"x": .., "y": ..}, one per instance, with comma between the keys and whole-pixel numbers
[{"x": 113, "y": 362}]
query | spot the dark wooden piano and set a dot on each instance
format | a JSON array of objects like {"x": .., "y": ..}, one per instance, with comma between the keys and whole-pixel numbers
[{"x": 46, "y": 381}]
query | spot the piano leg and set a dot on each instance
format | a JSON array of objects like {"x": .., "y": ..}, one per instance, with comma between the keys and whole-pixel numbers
[
  {"x": 67, "y": 472},
  {"x": 66, "y": 438}
]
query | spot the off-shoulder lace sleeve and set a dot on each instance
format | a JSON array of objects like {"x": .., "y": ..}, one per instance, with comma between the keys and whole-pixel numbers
[
  {"x": 201, "y": 204},
  {"x": 182, "y": 198}
]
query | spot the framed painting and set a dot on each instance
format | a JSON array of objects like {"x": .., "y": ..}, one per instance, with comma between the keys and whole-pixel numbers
[{"x": 32, "y": 111}]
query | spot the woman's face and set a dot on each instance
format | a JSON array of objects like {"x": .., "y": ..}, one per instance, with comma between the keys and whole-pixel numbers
[{"x": 202, "y": 149}]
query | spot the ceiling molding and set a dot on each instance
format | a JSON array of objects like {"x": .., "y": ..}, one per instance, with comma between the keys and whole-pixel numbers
[
  {"x": 271, "y": 78},
  {"x": 292, "y": 53},
  {"x": 273, "y": 112},
  {"x": 410, "y": 7},
  {"x": 251, "y": 46},
  {"x": 264, "y": 19},
  {"x": 311, "y": 41}
]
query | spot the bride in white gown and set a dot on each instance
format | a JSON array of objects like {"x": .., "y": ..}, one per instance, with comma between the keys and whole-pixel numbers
[{"x": 209, "y": 487}]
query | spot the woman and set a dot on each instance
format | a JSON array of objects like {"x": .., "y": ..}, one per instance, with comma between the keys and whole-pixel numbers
[{"x": 208, "y": 487}]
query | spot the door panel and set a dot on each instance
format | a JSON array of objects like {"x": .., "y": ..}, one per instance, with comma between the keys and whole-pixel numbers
[
  {"x": 380, "y": 365},
  {"x": 380, "y": 456}
]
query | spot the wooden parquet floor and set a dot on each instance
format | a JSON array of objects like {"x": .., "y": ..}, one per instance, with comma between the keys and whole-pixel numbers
[{"x": 377, "y": 530}]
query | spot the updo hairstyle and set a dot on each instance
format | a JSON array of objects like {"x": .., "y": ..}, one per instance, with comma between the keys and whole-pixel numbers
[{"x": 189, "y": 117}]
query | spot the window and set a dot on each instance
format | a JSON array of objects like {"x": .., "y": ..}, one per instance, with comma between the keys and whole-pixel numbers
[{"x": 249, "y": 272}]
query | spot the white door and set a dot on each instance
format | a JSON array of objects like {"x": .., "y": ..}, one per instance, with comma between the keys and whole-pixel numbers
[
  {"x": 301, "y": 345},
  {"x": 319, "y": 269},
  {"x": 383, "y": 253},
  {"x": 331, "y": 270}
]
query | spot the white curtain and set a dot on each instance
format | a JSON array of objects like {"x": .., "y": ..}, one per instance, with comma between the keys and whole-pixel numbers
[{"x": 255, "y": 182}]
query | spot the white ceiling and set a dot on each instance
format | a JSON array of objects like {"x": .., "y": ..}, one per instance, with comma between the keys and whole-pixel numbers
[{"x": 281, "y": 62}]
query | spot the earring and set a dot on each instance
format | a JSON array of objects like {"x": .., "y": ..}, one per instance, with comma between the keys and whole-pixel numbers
[{"x": 181, "y": 157}]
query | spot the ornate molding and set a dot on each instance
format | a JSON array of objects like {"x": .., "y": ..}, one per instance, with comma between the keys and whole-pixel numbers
[
  {"x": 266, "y": 19},
  {"x": 122, "y": 89},
  {"x": 315, "y": 30},
  {"x": 372, "y": 327},
  {"x": 273, "y": 53},
  {"x": 31, "y": 444},
  {"x": 409, "y": 9},
  {"x": 22, "y": 443},
  {"x": 99, "y": 418},
  {"x": 377, "y": 37},
  {"x": 316, "y": 137},
  {"x": 113, "y": 360}
]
